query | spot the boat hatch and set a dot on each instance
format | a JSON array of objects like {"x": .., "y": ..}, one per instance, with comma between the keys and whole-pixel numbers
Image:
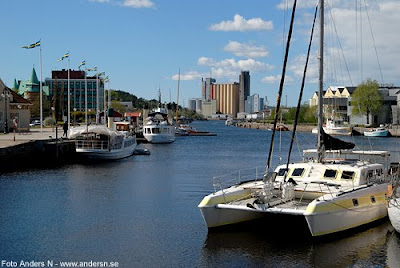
[
  {"x": 347, "y": 175},
  {"x": 330, "y": 173}
]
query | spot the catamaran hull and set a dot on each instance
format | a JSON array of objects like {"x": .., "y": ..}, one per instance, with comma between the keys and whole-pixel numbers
[
  {"x": 394, "y": 213},
  {"x": 321, "y": 216},
  {"x": 217, "y": 216},
  {"x": 354, "y": 209}
]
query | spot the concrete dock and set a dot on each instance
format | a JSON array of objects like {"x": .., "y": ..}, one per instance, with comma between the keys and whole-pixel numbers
[{"x": 34, "y": 148}]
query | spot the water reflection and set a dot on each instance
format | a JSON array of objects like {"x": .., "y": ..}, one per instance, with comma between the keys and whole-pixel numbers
[{"x": 364, "y": 248}]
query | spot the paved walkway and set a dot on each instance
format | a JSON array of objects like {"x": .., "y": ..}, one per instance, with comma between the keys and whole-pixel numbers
[{"x": 10, "y": 139}]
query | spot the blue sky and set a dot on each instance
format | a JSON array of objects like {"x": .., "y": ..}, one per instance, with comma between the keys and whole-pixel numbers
[{"x": 141, "y": 44}]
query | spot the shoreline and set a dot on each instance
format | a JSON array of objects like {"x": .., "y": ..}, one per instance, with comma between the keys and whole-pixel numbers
[{"x": 394, "y": 131}]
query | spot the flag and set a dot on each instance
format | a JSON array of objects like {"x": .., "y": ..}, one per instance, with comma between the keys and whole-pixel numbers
[
  {"x": 82, "y": 63},
  {"x": 92, "y": 69},
  {"x": 64, "y": 57},
  {"x": 37, "y": 44}
]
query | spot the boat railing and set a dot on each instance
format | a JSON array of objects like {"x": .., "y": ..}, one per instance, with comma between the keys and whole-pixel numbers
[
  {"x": 237, "y": 177},
  {"x": 92, "y": 144}
]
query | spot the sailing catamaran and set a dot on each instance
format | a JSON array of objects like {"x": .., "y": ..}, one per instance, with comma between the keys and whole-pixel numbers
[{"x": 334, "y": 191}]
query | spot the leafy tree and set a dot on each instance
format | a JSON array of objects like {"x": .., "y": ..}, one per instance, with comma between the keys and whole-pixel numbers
[
  {"x": 35, "y": 108},
  {"x": 117, "y": 106},
  {"x": 366, "y": 99}
]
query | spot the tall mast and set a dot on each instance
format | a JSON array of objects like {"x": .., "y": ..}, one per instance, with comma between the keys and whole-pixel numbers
[
  {"x": 321, "y": 146},
  {"x": 177, "y": 98}
]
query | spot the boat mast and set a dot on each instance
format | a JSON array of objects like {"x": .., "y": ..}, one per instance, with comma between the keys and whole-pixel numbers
[
  {"x": 321, "y": 146},
  {"x": 177, "y": 98}
]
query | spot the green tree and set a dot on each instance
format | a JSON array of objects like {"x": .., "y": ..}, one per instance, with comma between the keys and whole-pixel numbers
[
  {"x": 366, "y": 99},
  {"x": 117, "y": 106}
]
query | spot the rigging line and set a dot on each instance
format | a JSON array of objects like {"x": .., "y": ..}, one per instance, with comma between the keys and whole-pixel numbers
[
  {"x": 361, "y": 43},
  {"x": 278, "y": 100},
  {"x": 340, "y": 44},
  {"x": 373, "y": 40},
  {"x": 301, "y": 91}
]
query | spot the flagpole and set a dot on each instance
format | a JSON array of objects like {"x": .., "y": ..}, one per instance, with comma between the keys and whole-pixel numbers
[
  {"x": 97, "y": 98},
  {"x": 41, "y": 91},
  {"x": 69, "y": 96},
  {"x": 86, "y": 115},
  {"x": 104, "y": 102}
]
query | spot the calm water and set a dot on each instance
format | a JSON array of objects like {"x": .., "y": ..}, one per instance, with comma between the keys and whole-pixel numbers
[{"x": 142, "y": 211}]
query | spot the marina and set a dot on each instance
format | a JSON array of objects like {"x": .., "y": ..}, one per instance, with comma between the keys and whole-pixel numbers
[
  {"x": 111, "y": 211},
  {"x": 96, "y": 171}
]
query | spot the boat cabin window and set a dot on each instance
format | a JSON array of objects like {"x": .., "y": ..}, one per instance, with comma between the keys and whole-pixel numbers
[
  {"x": 330, "y": 173},
  {"x": 282, "y": 171},
  {"x": 347, "y": 175},
  {"x": 298, "y": 172}
]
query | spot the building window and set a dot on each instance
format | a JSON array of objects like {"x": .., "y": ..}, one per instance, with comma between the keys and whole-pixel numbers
[
  {"x": 1, "y": 117},
  {"x": 89, "y": 85}
]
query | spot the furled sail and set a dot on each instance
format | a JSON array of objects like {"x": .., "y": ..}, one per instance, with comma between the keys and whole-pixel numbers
[{"x": 332, "y": 143}]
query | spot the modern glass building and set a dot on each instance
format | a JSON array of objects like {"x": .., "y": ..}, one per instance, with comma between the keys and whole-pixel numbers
[{"x": 58, "y": 90}]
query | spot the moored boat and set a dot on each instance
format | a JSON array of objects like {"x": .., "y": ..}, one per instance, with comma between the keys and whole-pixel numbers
[
  {"x": 157, "y": 128},
  {"x": 97, "y": 142},
  {"x": 336, "y": 190},
  {"x": 377, "y": 132}
]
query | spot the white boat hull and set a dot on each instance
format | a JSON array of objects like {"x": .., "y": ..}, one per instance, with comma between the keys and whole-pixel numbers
[
  {"x": 105, "y": 154},
  {"x": 345, "y": 131},
  {"x": 321, "y": 216},
  {"x": 382, "y": 133},
  {"x": 324, "y": 217},
  {"x": 159, "y": 138},
  {"x": 394, "y": 213}
]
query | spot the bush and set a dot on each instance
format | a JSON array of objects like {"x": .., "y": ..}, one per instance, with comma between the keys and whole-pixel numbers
[{"x": 49, "y": 121}]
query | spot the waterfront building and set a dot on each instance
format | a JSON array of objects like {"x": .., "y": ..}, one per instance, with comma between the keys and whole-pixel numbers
[
  {"x": 30, "y": 89},
  {"x": 195, "y": 105},
  {"x": 252, "y": 104},
  {"x": 58, "y": 91},
  {"x": 227, "y": 98},
  {"x": 14, "y": 110},
  {"x": 206, "y": 88},
  {"x": 244, "y": 89},
  {"x": 337, "y": 104}
]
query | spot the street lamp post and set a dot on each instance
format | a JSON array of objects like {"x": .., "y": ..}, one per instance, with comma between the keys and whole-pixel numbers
[
  {"x": 74, "y": 116},
  {"x": 5, "y": 95}
]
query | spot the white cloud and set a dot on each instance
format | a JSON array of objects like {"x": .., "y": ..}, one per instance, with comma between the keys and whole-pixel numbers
[
  {"x": 128, "y": 3},
  {"x": 242, "y": 25},
  {"x": 138, "y": 3},
  {"x": 230, "y": 68},
  {"x": 191, "y": 75},
  {"x": 246, "y": 50},
  {"x": 274, "y": 79}
]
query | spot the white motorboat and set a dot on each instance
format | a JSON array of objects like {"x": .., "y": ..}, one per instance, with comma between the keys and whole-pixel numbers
[
  {"x": 335, "y": 127},
  {"x": 334, "y": 191},
  {"x": 157, "y": 128},
  {"x": 377, "y": 132},
  {"x": 97, "y": 142}
]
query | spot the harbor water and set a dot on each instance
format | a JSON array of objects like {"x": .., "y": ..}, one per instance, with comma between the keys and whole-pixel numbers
[{"x": 142, "y": 211}]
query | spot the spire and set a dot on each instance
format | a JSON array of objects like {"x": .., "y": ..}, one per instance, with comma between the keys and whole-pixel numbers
[
  {"x": 15, "y": 86},
  {"x": 34, "y": 80}
]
